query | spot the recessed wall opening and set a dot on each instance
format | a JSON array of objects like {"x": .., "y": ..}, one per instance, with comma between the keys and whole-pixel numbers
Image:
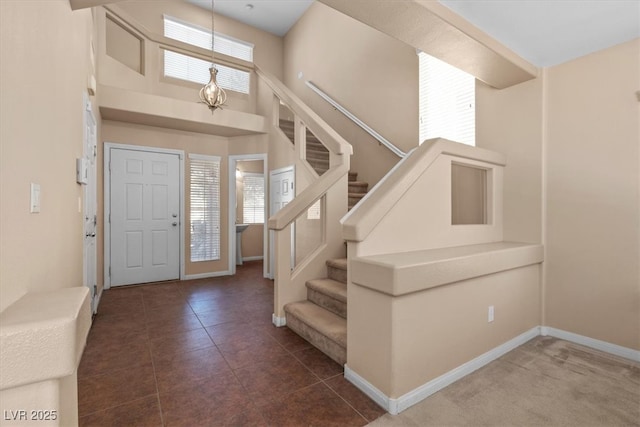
[
  {"x": 124, "y": 46},
  {"x": 468, "y": 195}
]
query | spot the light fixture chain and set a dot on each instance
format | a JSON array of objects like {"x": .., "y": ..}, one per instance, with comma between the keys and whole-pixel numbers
[{"x": 213, "y": 34}]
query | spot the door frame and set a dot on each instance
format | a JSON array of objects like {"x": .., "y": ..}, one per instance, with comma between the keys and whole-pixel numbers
[
  {"x": 107, "y": 202},
  {"x": 292, "y": 169},
  {"x": 233, "y": 159},
  {"x": 89, "y": 120}
]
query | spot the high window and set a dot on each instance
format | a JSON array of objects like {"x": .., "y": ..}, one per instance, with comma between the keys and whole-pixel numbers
[
  {"x": 253, "y": 198},
  {"x": 205, "y": 207},
  {"x": 185, "y": 67},
  {"x": 447, "y": 102}
]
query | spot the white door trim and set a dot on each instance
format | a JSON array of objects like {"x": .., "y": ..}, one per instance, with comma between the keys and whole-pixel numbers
[
  {"x": 292, "y": 169},
  {"x": 90, "y": 198},
  {"x": 233, "y": 159},
  {"x": 107, "y": 202}
]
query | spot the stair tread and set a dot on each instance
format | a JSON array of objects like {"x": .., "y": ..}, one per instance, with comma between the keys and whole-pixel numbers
[
  {"x": 328, "y": 324},
  {"x": 333, "y": 288},
  {"x": 339, "y": 263},
  {"x": 359, "y": 195}
]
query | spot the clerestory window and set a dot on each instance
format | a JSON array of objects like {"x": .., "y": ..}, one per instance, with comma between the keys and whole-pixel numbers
[{"x": 189, "y": 68}]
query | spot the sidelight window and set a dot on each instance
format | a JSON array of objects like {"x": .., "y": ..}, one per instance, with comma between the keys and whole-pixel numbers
[{"x": 204, "y": 207}]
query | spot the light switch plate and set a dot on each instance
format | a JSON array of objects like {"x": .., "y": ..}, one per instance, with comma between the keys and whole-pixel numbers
[{"x": 35, "y": 198}]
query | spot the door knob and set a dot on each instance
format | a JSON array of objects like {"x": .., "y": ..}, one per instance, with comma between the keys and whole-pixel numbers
[
  {"x": 174, "y": 224},
  {"x": 174, "y": 215}
]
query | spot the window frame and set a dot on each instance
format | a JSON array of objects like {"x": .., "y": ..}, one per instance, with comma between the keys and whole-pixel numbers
[
  {"x": 213, "y": 253},
  {"x": 182, "y": 66},
  {"x": 256, "y": 209},
  {"x": 461, "y": 85}
]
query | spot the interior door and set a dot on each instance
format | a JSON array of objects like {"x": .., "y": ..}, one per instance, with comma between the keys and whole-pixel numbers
[
  {"x": 282, "y": 191},
  {"x": 90, "y": 205},
  {"x": 144, "y": 215}
]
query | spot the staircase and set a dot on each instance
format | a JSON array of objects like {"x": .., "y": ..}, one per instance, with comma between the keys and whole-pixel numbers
[
  {"x": 322, "y": 318},
  {"x": 317, "y": 154}
]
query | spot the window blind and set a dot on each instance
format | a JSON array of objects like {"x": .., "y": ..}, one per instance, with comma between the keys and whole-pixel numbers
[
  {"x": 253, "y": 199},
  {"x": 204, "y": 207},
  {"x": 201, "y": 37},
  {"x": 196, "y": 70},
  {"x": 447, "y": 101}
]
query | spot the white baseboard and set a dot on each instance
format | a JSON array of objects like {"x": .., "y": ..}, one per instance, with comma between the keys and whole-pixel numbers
[
  {"x": 607, "y": 347},
  {"x": 206, "y": 275},
  {"x": 278, "y": 321},
  {"x": 252, "y": 258},
  {"x": 97, "y": 302},
  {"x": 397, "y": 405},
  {"x": 369, "y": 389}
]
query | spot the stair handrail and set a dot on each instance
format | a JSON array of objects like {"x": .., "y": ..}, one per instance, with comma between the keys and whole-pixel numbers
[
  {"x": 381, "y": 139},
  {"x": 321, "y": 129},
  {"x": 327, "y": 135}
]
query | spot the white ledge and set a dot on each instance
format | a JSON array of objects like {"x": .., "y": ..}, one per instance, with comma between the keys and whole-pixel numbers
[
  {"x": 403, "y": 273},
  {"x": 153, "y": 110},
  {"x": 42, "y": 336}
]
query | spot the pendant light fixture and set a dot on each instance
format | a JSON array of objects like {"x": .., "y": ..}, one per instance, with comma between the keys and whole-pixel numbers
[{"x": 212, "y": 94}]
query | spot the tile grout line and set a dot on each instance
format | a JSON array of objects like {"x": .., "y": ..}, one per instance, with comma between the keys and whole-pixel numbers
[
  {"x": 345, "y": 400},
  {"x": 155, "y": 379}
]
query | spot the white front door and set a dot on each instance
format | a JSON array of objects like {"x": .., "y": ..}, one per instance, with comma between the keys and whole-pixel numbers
[
  {"x": 282, "y": 191},
  {"x": 90, "y": 205},
  {"x": 145, "y": 222}
]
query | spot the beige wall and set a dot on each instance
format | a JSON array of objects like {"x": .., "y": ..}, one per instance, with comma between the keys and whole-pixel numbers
[
  {"x": 400, "y": 343},
  {"x": 509, "y": 121},
  {"x": 593, "y": 171},
  {"x": 370, "y": 74},
  {"x": 45, "y": 62}
]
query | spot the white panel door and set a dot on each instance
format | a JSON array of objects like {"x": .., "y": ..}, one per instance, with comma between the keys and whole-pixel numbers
[
  {"x": 145, "y": 223},
  {"x": 282, "y": 191}
]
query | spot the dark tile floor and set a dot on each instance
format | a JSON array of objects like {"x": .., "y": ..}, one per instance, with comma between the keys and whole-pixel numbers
[{"x": 204, "y": 352}]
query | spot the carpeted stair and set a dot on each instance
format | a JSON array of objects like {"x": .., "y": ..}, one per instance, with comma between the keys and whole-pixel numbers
[
  {"x": 322, "y": 318},
  {"x": 318, "y": 158},
  {"x": 357, "y": 189},
  {"x": 317, "y": 154}
]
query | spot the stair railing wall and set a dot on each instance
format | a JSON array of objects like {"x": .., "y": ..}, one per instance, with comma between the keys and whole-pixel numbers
[{"x": 330, "y": 189}]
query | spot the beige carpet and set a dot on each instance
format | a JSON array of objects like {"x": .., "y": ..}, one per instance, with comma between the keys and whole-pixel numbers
[{"x": 545, "y": 382}]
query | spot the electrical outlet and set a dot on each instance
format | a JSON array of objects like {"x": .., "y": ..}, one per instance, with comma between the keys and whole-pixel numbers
[{"x": 490, "y": 314}]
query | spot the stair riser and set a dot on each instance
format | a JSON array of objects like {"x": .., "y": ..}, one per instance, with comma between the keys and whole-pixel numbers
[
  {"x": 321, "y": 342},
  {"x": 318, "y": 156},
  {"x": 353, "y": 200},
  {"x": 358, "y": 188},
  {"x": 327, "y": 302},
  {"x": 337, "y": 274}
]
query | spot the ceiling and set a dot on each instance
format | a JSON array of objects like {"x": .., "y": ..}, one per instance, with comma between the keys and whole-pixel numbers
[
  {"x": 273, "y": 16},
  {"x": 543, "y": 32},
  {"x": 549, "y": 32}
]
